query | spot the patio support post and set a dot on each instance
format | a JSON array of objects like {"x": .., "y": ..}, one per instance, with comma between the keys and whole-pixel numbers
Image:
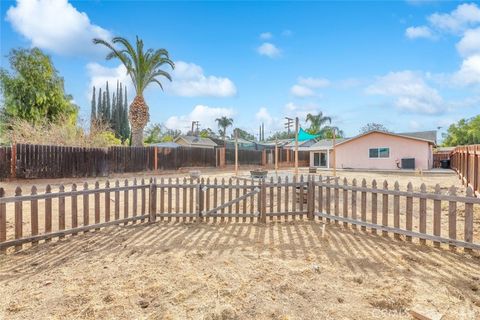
[
  {"x": 296, "y": 146},
  {"x": 236, "y": 152}
]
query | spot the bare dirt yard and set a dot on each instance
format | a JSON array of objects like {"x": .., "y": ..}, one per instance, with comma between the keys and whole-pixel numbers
[
  {"x": 281, "y": 270},
  {"x": 236, "y": 271}
]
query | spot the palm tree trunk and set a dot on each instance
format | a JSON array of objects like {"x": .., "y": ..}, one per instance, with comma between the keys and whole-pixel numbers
[
  {"x": 137, "y": 137},
  {"x": 138, "y": 115}
]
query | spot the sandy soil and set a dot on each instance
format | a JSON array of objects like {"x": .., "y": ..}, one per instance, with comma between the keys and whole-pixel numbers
[{"x": 236, "y": 271}]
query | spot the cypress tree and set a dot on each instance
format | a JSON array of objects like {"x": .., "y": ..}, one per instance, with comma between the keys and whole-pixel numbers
[
  {"x": 99, "y": 105},
  {"x": 104, "y": 106},
  {"x": 113, "y": 120},
  {"x": 93, "y": 113},
  {"x": 125, "y": 116},
  {"x": 108, "y": 106}
]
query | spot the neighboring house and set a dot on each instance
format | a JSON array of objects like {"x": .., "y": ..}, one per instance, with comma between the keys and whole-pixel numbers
[
  {"x": 302, "y": 145},
  {"x": 195, "y": 142},
  {"x": 377, "y": 150},
  {"x": 165, "y": 145}
]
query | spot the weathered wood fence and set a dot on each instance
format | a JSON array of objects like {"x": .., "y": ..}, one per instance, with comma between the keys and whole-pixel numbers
[
  {"x": 438, "y": 157},
  {"x": 30, "y": 216},
  {"x": 43, "y": 161},
  {"x": 466, "y": 161},
  {"x": 5, "y": 162}
]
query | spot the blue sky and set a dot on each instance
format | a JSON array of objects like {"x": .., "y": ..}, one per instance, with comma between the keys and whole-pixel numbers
[{"x": 411, "y": 65}]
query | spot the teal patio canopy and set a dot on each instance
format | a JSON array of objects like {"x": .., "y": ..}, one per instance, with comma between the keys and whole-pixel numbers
[{"x": 304, "y": 136}]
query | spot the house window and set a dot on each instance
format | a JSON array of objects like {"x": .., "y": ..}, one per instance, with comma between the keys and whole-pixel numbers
[{"x": 379, "y": 152}]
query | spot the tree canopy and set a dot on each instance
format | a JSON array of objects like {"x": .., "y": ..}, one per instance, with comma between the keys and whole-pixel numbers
[
  {"x": 33, "y": 90},
  {"x": 465, "y": 131},
  {"x": 156, "y": 133},
  {"x": 373, "y": 126}
]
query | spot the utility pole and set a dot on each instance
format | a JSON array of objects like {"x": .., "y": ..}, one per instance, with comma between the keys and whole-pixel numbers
[
  {"x": 296, "y": 146},
  {"x": 276, "y": 156},
  {"x": 334, "y": 156},
  {"x": 236, "y": 152},
  {"x": 195, "y": 124},
  {"x": 288, "y": 124}
]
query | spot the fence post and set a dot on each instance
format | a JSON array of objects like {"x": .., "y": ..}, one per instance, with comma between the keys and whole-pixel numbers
[
  {"x": 310, "y": 198},
  {"x": 156, "y": 158},
  {"x": 153, "y": 201},
  {"x": 263, "y": 202},
  {"x": 199, "y": 205},
  {"x": 13, "y": 161}
]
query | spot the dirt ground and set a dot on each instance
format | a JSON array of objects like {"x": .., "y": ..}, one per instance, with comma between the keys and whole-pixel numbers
[
  {"x": 236, "y": 271},
  {"x": 281, "y": 270}
]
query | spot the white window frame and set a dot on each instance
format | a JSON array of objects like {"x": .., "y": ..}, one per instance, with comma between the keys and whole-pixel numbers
[{"x": 378, "y": 148}]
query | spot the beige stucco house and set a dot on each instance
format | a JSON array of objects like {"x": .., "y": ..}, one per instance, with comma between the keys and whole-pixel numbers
[
  {"x": 377, "y": 150},
  {"x": 195, "y": 142}
]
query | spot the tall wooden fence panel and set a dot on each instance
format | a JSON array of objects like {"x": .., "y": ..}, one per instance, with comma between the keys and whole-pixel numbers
[
  {"x": 466, "y": 161},
  {"x": 5, "y": 162},
  {"x": 245, "y": 157},
  {"x": 438, "y": 157}
]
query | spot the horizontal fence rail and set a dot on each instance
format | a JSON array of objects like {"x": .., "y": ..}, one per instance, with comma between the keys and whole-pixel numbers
[
  {"x": 465, "y": 160},
  {"x": 439, "y": 215}
]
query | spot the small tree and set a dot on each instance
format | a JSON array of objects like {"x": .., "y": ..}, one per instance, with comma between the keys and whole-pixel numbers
[
  {"x": 33, "y": 90},
  {"x": 224, "y": 123},
  {"x": 372, "y": 126}
]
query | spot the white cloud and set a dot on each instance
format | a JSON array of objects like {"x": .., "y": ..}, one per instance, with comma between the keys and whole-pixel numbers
[
  {"x": 470, "y": 43},
  {"x": 314, "y": 82},
  {"x": 189, "y": 80},
  {"x": 469, "y": 72},
  {"x": 300, "y": 110},
  {"x": 99, "y": 75},
  {"x": 305, "y": 85},
  {"x": 268, "y": 49},
  {"x": 266, "y": 35},
  {"x": 301, "y": 91},
  {"x": 204, "y": 114},
  {"x": 264, "y": 116},
  {"x": 57, "y": 26},
  {"x": 458, "y": 20},
  {"x": 410, "y": 92},
  {"x": 418, "y": 32}
]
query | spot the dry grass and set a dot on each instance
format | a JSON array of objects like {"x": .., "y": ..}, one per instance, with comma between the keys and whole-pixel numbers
[{"x": 236, "y": 271}]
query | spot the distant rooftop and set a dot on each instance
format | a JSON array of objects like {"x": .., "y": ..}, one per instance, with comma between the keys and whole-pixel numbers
[{"x": 425, "y": 135}]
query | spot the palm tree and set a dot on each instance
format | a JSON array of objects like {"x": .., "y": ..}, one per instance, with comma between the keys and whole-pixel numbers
[
  {"x": 316, "y": 122},
  {"x": 144, "y": 68},
  {"x": 224, "y": 123}
]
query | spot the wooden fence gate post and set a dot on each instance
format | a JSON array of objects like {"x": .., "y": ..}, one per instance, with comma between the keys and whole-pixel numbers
[
  {"x": 310, "y": 198},
  {"x": 263, "y": 202},
  {"x": 153, "y": 201}
]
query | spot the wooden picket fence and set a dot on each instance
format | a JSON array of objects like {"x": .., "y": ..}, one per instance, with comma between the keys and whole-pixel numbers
[
  {"x": 466, "y": 161},
  {"x": 29, "y": 217}
]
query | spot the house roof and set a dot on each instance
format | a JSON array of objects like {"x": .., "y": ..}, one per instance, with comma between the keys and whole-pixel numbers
[
  {"x": 165, "y": 145},
  {"x": 410, "y": 135},
  {"x": 326, "y": 143},
  {"x": 193, "y": 140},
  {"x": 305, "y": 143},
  {"x": 425, "y": 135}
]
